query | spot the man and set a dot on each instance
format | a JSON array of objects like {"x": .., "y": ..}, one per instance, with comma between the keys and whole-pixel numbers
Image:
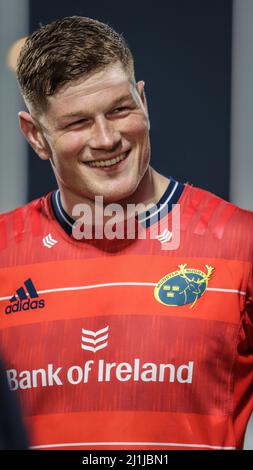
[{"x": 142, "y": 340}]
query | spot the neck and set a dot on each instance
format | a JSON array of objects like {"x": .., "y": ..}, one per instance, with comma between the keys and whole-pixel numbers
[{"x": 149, "y": 191}]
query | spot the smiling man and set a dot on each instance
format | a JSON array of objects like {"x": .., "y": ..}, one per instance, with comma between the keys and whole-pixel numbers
[
  {"x": 96, "y": 134},
  {"x": 94, "y": 128},
  {"x": 118, "y": 343}
]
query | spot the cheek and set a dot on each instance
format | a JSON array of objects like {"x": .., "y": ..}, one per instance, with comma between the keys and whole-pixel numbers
[
  {"x": 67, "y": 145},
  {"x": 137, "y": 128}
]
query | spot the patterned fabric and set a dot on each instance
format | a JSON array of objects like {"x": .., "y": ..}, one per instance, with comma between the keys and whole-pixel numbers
[{"x": 121, "y": 344}]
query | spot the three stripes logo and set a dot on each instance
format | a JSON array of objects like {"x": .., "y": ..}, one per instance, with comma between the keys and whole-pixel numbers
[
  {"x": 25, "y": 300},
  {"x": 21, "y": 293},
  {"x": 165, "y": 236},
  {"x": 48, "y": 241},
  {"x": 94, "y": 340}
]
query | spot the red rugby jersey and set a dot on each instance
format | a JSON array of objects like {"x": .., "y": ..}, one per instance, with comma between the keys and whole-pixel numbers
[{"x": 120, "y": 344}]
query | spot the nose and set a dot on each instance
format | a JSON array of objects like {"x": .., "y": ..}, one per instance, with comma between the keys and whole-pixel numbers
[{"x": 104, "y": 135}]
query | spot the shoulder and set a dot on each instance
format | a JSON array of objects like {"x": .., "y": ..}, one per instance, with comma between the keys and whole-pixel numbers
[
  {"x": 23, "y": 221},
  {"x": 223, "y": 221},
  {"x": 207, "y": 202},
  {"x": 40, "y": 205}
]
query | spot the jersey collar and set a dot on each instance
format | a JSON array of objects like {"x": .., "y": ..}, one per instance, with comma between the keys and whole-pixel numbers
[{"x": 148, "y": 218}]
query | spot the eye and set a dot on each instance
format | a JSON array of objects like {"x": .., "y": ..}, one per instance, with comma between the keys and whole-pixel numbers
[
  {"x": 75, "y": 123},
  {"x": 122, "y": 109}
]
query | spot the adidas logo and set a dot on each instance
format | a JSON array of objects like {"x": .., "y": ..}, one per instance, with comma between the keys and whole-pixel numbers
[{"x": 23, "y": 300}]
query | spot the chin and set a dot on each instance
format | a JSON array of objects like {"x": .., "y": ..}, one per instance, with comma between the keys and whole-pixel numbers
[{"x": 117, "y": 196}]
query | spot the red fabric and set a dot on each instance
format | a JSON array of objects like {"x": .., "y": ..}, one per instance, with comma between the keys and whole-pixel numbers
[{"x": 166, "y": 376}]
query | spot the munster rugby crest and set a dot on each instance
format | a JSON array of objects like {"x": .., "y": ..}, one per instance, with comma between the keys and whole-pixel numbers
[{"x": 182, "y": 287}]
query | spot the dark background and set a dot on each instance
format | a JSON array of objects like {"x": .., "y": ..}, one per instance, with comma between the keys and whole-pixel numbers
[{"x": 182, "y": 51}]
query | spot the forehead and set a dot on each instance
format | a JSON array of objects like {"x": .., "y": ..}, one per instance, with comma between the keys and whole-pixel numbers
[{"x": 97, "y": 90}]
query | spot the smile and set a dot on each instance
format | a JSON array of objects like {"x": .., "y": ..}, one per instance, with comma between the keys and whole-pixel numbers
[{"x": 107, "y": 163}]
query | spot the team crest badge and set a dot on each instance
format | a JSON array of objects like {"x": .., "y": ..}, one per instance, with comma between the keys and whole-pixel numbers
[{"x": 182, "y": 287}]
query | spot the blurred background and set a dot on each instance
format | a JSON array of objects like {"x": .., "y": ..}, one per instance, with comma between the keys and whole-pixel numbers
[{"x": 196, "y": 58}]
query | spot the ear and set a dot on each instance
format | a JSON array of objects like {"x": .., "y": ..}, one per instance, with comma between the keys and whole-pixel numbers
[
  {"x": 140, "y": 89},
  {"x": 34, "y": 135}
]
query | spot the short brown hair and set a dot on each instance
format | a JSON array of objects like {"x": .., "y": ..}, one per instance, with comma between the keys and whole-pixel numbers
[{"x": 64, "y": 51}]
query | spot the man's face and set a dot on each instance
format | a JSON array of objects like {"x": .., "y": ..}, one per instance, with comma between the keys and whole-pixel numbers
[{"x": 97, "y": 133}]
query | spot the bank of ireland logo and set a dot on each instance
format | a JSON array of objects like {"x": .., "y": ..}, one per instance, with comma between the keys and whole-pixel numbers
[
  {"x": 183, "y": 287},
  {"x": 94, "y": 340}
]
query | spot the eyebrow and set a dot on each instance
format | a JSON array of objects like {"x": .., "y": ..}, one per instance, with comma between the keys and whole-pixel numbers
[{"x": 116, "y": 102}]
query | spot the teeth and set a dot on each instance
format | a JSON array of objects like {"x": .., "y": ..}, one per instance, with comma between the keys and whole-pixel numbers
[{"x": 111, "y": 162}]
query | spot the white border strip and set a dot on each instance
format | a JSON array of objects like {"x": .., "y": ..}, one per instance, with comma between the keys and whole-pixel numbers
[
  {"x": 96, "y": 286},
  {"x": 115, "y": 284},
  {"x": 159, "y": 444},
  {"x": 14, "y": 24},
  {"x": 232, "y": 291}
]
